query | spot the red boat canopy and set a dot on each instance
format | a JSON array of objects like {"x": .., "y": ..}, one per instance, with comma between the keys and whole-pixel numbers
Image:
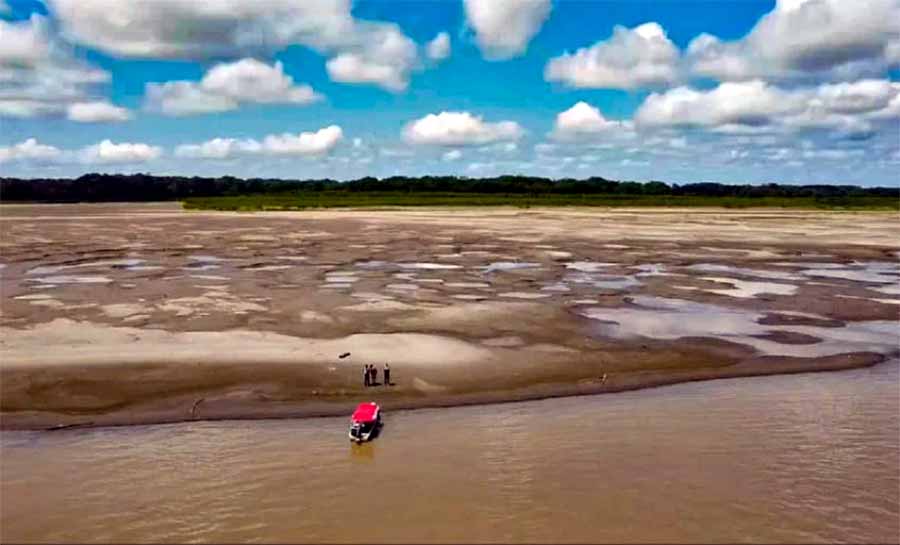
[{"x": 365, "y": 412}]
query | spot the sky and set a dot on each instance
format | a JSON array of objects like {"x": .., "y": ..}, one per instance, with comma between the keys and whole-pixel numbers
[{"x": 732, "y": 91}]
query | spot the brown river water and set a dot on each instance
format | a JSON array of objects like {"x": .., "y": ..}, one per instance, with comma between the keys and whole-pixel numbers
[{"x": 800, "y": 458}]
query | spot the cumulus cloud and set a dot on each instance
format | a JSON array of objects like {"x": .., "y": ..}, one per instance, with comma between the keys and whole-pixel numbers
[
  {"x": 303, "y": 144},
  {"x": 29, "y": 150},
  {"x": 439, "y": 48},
  {"x": 503, "y": 28},
  {"x": 249, "y": 80},
  {"x": 182, "y": 98},
  {"x": 752, "y": 103},
  {"x": 452, "y": 155},
  {"x": 583, "y": 121},
  {"x": 385, "y": 59},
  {"x": 191, "y": 29},
  {"x": 97, "y": 112},
  {"x": 362, "y": 51},
  {"x": 108, "y": 152},
  {"x": 631, "y": 58},
  {"x": 102, "y": 153},
  {"x": 225, "y": 87},
  {"x": 735, "y": 107},
  {"x": 39, "y": 76},
  {"x": 459, "y": 129},
  {"x": 218, "y": 148},
  {"x": 806, "y": 38}
]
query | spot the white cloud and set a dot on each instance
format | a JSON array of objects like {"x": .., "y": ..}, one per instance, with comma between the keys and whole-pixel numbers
[
  {"x": 191, "y": 29},
  {"x": 756, "y": 106},
  {"x": 97, "y": 112},
  {"x": 225, "y": 87},
  {"x": 29, "y": 150},
  {"x": 385, "y": 60},
  {"x": 459, "y": 129},
  {"x": 503, "y": 28},
  {"x": 583, "y": 121},
  {"x": 631, "y": 58},
  {"x": 24, "y": 42},
  {"x": 182, "y": 98},
  {"x": 858, "y": 97},
  {"x": 39, "y": 76},
  {"x": 217, "y": 148},
  {"x": 751, "y": 103},
  {"x": 363, "y": 51},
  {"x": 803, "y": 38},
  {"x": 439, "y": 48},
  {"x": 304, "y": 143},
  {"x": 25, "y": 108},
  {"x": 108, "y": 152},
  {"x": 249, "y": 80},
  {"x": 452, "y": 155}
]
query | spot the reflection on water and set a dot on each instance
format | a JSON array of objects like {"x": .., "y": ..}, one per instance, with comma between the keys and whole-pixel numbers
[{"x": 802, "y": 458}]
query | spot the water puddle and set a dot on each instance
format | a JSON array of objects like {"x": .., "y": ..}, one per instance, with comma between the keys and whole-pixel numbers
[
  {"x": 874, "y": 273},
  {"x": 559, "y": 287},
  {"x": 651, "y": 269},
  {"x": 467, "y": 285},
  {"x": 509, "y": 266},
  {"x": 33, "y": 297},
  {"x": 106, "y": 263},
  {"x": 893, "y": 289},
  {"x": 340, "y": 278},
  {"x": 71, "y": 279},
  {"x": 729, "y": 269},
  {"x": 402, "y": 287},
  {"x": 524, "y": 295},
  {"x": 588, "y": 266},
  {"x": 603, "y": 281},
  {"x": 670, "y": 319},
  {"x": 429, "y": 266},
  {"x": 269, "y": 268},
  {"x": 745, "y": 289}
]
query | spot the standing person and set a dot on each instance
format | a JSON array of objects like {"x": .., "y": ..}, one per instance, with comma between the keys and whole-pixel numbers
[
  {"x": 374, "y": 375},
  {"x": 366, "y": 375},
  {"x": 387, "y": 375}
]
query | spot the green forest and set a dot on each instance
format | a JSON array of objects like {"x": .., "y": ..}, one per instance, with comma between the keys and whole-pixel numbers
[{"x": 229, "y": 193}]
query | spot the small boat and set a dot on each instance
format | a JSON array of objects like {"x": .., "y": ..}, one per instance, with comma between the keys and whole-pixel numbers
[{"x": 365, "y": 422}]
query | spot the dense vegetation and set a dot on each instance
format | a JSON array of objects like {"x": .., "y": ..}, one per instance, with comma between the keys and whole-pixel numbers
[{"x": 228, "y": 193}]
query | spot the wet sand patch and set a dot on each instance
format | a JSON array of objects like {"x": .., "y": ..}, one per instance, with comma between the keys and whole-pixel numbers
[{"x": 308, "y": 281}]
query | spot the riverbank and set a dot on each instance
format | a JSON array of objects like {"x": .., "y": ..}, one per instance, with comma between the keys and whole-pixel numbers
[
  {"x": 134, "y": 314},
  {"x": 249, "y": 403}
]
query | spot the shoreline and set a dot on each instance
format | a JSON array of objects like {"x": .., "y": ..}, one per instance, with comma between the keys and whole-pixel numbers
[
  {"x": 180, "y": 409},
  {"x": 141, "y": 314}
]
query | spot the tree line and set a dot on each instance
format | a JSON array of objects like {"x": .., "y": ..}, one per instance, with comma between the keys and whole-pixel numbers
[{"x": 146, "y": 187}]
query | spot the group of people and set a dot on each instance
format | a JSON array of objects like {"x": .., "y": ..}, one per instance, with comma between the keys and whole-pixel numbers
[{"x": 370, "y": 375}]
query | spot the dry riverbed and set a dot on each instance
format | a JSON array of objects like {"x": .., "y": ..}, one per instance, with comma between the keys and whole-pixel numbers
[{"x": 118, "y": 314}]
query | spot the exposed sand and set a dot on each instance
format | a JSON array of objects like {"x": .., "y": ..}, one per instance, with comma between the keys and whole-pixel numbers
[{"x": 117, "y": 314}]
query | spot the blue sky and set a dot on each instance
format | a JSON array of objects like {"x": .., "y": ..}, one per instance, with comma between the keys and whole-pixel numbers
[{"x": 803, "y": 91}]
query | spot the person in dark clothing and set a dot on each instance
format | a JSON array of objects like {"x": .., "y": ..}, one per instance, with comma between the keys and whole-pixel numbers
[
  {"x": 367, "y": 374},
  {"x": 374, "y": 375},
  {"x": 387, "y": 375}
]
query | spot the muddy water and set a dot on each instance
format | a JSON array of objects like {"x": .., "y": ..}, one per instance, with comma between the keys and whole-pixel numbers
[{"x": 802, "y": 458}]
